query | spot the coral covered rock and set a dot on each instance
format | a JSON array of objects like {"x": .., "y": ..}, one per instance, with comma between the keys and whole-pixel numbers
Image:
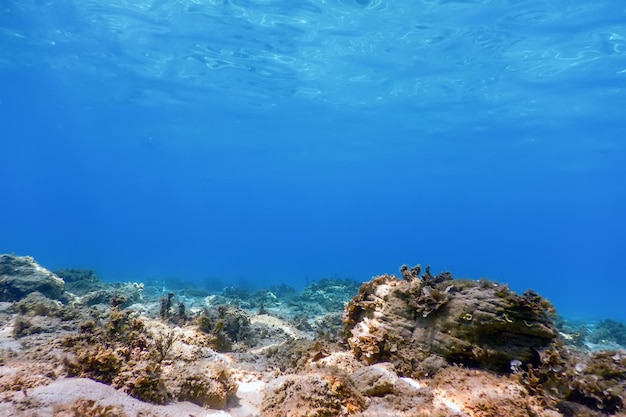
[
  {"x": 36, "y": 304},
  {"x": 224, "y": 326},
  {"x": 21, "y": 275},
  {"x": 144, "y": 382},
  {"x": 568, "y": 376},
  {"x": 212, "y": 388},
  {"x": 411, "y": 322},
  {"x": 311, "y": 395}
]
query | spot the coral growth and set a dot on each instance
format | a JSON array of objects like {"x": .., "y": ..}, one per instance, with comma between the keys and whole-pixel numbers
[
  {"x": 145, "y": 382},
  {"x": 123, "y": 353},
  {"x": 607, "y": 331},
  {"x": 165, "y": 311},
  {"x": 331, "y": 294},
  {"x": 94, "y": 361},
  {"x": 565, "y": 376},
  {"x": 37, "y": 304},
  {"x": 211, "y": 388},
  {"x": 224, "y": 326}
]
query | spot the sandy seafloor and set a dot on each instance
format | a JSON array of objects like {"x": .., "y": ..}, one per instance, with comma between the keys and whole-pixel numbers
[{"x": 72, "y": 345}]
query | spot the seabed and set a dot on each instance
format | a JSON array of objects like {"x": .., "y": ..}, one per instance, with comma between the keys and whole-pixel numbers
[{"x": 415, "y": 345}]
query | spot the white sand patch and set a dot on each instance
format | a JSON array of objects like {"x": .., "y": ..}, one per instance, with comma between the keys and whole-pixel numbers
[
  {"x": 250, "y": 396},
  {"x": 413, "y": 383}
]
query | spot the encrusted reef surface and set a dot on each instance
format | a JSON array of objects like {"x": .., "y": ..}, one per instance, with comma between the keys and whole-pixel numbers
[
  {"x": 416, "y": 322},
  {"x": 418, "y": 345},
  {"x": 21, "y": 275}
]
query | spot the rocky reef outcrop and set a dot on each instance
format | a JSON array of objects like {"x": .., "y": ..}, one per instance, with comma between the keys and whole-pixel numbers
[
  {"x": 425, "y": 325},
  {"x": 419, "y": 323},
  {"x": 21, "y": 275}
]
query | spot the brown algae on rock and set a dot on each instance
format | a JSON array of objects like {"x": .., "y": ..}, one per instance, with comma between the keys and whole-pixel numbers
[{"x": 465, "y": 322}]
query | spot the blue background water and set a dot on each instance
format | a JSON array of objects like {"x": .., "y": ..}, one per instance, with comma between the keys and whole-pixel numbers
[{"x": 263, "y": 142}]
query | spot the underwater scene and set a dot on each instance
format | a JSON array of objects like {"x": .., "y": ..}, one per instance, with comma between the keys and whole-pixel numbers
[{"x": 312, "y": 208}]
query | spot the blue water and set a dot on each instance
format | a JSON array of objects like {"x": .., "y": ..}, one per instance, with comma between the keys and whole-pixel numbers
[{"x": 263, "y": 142}]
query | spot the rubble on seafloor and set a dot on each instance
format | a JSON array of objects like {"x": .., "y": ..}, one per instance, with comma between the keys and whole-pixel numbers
[{"x": 415, "y": 345}]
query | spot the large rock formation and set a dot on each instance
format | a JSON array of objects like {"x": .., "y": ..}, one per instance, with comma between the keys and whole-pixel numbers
[
  {"x": 21, "y": 275},
  {"x": 420, "y": 323}
]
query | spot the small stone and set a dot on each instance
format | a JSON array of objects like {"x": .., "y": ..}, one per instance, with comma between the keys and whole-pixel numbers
[{"x": 375, "y": 380}]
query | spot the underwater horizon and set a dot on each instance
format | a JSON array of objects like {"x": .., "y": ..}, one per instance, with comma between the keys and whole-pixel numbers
[{"x": 262, "y": 142}]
